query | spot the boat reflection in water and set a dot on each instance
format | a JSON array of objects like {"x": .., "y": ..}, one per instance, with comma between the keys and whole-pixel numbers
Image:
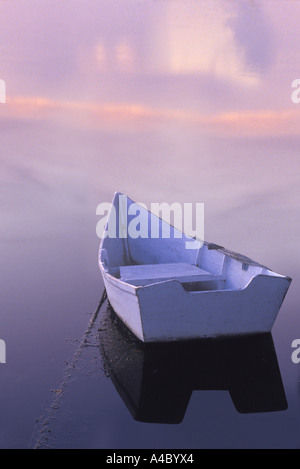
[{"x": 156, "y": 380}]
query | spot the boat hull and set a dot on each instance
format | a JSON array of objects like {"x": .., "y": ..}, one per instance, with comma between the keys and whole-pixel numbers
[
  {"x": 165, "y": 311},
  {"x": 164, "y": 291}
]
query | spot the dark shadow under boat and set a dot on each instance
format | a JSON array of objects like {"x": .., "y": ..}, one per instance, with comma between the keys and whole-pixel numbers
[{"x": 156, "y": 380}]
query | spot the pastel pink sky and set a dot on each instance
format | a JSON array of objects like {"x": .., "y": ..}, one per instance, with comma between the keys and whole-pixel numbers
[
  {"x": 165, "y": 100},
  {"x": 225, "y": 67}
]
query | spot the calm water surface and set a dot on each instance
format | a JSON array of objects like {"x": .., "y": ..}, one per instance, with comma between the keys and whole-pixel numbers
[{"x": 164, "y": 101}]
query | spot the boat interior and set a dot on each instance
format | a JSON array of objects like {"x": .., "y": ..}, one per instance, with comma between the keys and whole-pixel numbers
[{"x": 145, "y": 260}]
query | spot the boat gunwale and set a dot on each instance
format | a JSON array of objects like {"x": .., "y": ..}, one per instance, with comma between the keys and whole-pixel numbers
[
  {"x": 133, "y": 289},
  {"x": 210, "y": 245}
]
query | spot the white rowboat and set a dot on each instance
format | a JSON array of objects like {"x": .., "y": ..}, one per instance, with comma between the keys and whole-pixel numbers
[{"x": 165, "y": 292}]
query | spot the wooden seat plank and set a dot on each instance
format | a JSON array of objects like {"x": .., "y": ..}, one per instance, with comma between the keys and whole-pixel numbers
[{"x": 148, "y": 273}]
